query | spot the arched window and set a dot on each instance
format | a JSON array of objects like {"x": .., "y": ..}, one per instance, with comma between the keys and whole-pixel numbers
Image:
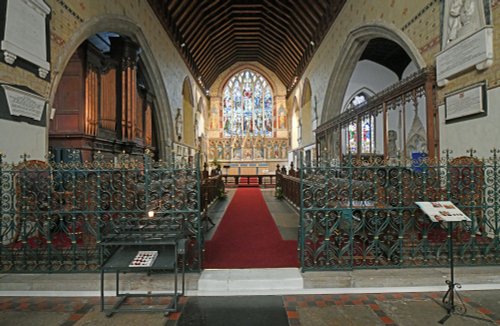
[
  {"x": 366, "y": 129},
  {"x": 248, "y": 105}
]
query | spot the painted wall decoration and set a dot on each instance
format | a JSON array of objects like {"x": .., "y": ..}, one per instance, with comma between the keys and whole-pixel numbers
[
  {"x": 213, "y": 119},
  {"x": 282, "y": 118},
  {"x": 248, "y": 149}
]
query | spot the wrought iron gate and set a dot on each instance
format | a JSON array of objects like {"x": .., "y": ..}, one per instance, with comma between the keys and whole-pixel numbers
[
  {"x": 362, "y": 213},
  {"x": 53, "y": 215}
]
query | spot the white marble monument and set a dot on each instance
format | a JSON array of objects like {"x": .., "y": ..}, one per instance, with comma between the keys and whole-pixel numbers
[
  {"x": 26, "y": 34},
  {"x": 467, "y": 41}
]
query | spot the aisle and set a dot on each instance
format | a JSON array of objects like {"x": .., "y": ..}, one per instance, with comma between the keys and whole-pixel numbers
[{"x": 247, "y": 236}]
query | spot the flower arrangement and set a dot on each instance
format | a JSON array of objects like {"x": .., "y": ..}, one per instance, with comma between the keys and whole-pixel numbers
[
  {"x": 222, "y": 194},
  {"x": 278, "y": 192}
]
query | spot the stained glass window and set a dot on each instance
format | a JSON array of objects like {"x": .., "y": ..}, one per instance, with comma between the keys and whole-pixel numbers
[
  {"x": 367, "y": 133},
  {"x": 352, "y": 138},
  {"x": 247, "y": 105},
  {"x": 366, "y": 142}
]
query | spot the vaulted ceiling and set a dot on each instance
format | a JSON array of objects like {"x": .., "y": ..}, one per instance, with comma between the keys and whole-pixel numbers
[{"x": 212, "y": 35}]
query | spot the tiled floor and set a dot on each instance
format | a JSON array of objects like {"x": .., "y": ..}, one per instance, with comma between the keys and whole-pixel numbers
[{"x": 307, "y": 310}]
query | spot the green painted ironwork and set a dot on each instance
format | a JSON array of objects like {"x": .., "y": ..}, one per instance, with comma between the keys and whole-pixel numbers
[
  {"x": 53, "y": 216},
  {"x": 361, "y": 213}
]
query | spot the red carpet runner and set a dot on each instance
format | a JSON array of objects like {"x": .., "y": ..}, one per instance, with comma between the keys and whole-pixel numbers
[{"x": 247, "y": 236}]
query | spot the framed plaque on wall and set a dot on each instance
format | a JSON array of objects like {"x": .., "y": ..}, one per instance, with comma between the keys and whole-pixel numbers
[{"x": 466, "y": 103}]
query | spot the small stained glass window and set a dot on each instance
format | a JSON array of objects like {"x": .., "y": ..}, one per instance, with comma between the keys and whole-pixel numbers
[{"x": 366, "y": 141}]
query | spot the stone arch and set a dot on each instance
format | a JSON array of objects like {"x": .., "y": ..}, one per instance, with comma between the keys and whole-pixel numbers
[
  {"x": 188, "y": 112},
  {"x": 364, "y": 90},
  {"x": 350, "y": 53},
  {"x": 306, "y": 113},
  {"x": 277, "y": 87},
  {"x": 127, "y": 27},
  {"x": 295, "y": 124},
  {"x": 199, "y": 122}
]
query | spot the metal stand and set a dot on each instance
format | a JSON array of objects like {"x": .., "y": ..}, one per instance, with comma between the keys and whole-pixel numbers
[
  {"x": 448, "y": 301},
  {"x": 204, "y": 217}
]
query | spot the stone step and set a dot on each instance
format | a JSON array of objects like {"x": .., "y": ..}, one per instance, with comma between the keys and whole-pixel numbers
[{"x": 219, "y": 281}]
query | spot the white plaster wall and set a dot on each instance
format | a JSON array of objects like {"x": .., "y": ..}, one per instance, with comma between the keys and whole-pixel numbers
[
  {"x": 410, "y": 69},
  {"x": 482, "y": 133},
  {"x": 370, "y": 75},
  {"x": 19, "y": 138}
]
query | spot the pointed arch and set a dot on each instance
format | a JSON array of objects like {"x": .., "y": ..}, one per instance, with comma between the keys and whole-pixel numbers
[
  {"x": 363, "y": 90},
  {"x": 295, "y": 124},
  {"x": 124, "y": 26},
  {"x": 199, "y": 123},
  {"x": 350, "y": 54},
  {"x": 188, "y": 113},
  {"x": 276, "y": 86},
  {"x": 306, "y": 113}
]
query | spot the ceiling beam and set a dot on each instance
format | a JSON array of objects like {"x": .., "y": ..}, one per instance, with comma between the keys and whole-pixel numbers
[{"x": 212, "y": 35}]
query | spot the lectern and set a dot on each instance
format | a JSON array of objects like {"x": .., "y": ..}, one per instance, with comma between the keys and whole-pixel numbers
[{"x": 447, "y": 213}]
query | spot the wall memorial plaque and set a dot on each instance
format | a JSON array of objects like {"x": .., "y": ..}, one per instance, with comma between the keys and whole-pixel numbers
[
  {"x": 466, "y": 102},
  {"x": 467, "y": 38},
  {"x": 25, "y": 33},
  {"x": 25, "y": 104},
  {"x": 473, "y": 51}
]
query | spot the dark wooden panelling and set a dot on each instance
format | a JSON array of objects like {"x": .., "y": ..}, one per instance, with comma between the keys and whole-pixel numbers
[
  {"x": 108, "y": 99},
  {"x": 70, "y": 97},
  {"x": 90, "y": 102},
  {"x": 67, "y": 123}
]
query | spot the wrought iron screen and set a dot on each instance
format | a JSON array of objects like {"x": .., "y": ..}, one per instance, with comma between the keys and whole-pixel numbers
[
  {"x": 54, "y": 215},
  {"x": 362, "y": 213}
]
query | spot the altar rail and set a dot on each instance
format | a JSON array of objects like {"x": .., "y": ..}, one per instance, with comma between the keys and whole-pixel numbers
[
  {"x": 288, "y": 187},
  {"x": 362, "y": 214},
  {"x": 53, "y": 216},
  {"x": 263, "y": 180}
]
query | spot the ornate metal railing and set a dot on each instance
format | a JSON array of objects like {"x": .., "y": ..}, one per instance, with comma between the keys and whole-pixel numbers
[
  {"x": 362, "y": 214},
  {"x": 53, "y": 216}
]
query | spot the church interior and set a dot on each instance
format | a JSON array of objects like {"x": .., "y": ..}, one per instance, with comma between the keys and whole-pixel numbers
[{"x": 336, "y": 134}]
